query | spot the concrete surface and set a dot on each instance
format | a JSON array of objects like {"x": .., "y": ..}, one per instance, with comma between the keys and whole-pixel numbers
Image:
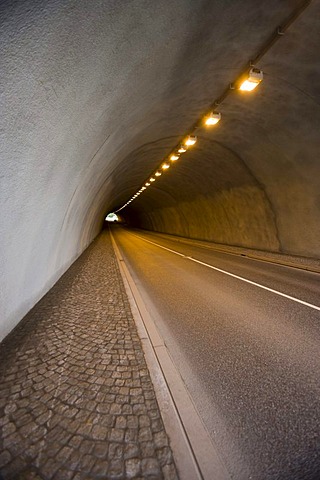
[
  {"x": 249, "y": 357},
  {"x": 76, "y": 398},
  {"x": 94, "y": 94}
]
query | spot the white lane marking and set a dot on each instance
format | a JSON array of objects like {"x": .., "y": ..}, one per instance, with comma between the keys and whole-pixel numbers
[{"x": 294, "y": 299}]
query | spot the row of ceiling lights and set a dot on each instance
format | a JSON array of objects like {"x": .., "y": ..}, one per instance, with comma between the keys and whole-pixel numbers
[{"x": 252, "y": 80}]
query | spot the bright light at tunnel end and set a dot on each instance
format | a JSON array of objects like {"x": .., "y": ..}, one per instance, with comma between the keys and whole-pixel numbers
[{"x": 112, "y": 217}]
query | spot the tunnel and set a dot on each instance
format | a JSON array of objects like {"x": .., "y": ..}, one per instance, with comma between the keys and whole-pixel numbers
[
  {"x": 96, "y": 97},
  {"x": 90, "y": 111}
]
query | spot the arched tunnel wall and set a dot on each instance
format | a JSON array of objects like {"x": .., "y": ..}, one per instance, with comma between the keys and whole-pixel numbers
[
  {"x": 226, "y": 205},
  {"x": 94, "y": 94}
]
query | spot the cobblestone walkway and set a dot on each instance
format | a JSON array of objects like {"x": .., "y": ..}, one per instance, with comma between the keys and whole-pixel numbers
[{"x": 76, "y": 399}]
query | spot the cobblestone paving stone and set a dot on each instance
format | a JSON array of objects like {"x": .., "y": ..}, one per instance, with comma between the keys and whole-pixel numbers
[{"x": 76, "y": 398}]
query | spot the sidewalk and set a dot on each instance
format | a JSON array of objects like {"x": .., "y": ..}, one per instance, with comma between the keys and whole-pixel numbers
[{"x": 76, "y": 399}]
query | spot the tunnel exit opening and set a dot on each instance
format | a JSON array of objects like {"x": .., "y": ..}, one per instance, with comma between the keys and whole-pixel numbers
[{"x": 112, "y": 217}]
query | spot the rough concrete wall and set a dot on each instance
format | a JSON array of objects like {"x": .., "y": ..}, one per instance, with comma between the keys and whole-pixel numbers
[
  {"x": 94, "y": 94},
  {"x": 234, "y": 217},
  {"x": 75, "y": 75},
  {"x": 220, "y": 201}
]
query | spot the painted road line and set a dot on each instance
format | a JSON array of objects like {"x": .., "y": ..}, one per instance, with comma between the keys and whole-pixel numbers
[
  {"x": 281, "y": 294},
  {"x": 248, "y": 254}
]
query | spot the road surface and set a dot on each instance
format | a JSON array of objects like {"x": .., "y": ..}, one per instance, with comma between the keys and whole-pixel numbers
[{"x": 245, "y": 336}]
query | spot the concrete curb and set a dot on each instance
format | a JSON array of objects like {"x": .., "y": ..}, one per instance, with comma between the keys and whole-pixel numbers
[{"x": 195, "y": 455}]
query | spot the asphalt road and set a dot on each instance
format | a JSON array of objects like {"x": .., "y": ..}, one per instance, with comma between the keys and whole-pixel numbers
[{"x": 249, "y": 357}]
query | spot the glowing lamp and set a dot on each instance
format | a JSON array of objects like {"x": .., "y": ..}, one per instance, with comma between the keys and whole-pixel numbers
[
  {"x": 152, "y": 179},
  {"x": 254, "y": 78},
  {"x": 165, "y": 166},
  {"x": 212, "y": 119},
  {"x": 147, "y": 184},
  {"x": 158, "y": 174},
  {"x": 182, "y": 149},
  {"x": 174, "y": 157},
  {"x": 190, "y": 140}
]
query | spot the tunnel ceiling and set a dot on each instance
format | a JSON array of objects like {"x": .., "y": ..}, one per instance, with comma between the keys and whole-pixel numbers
[
  {"x": 94, "y": 95},
  {"x": 252, "y": 180}
]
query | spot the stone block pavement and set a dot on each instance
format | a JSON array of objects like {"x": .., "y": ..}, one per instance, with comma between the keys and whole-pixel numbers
[{"x": 76, "y": 398}]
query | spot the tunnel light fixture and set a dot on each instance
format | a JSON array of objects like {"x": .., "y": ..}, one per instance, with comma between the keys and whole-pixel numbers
[
  {"x": 182, "y": 149},
  {"x": 248, "y": 81},
  {"x": 190, "y": 140},
  {"x": 212, "y": 119},
  {"x": 255, "y": 76}
]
